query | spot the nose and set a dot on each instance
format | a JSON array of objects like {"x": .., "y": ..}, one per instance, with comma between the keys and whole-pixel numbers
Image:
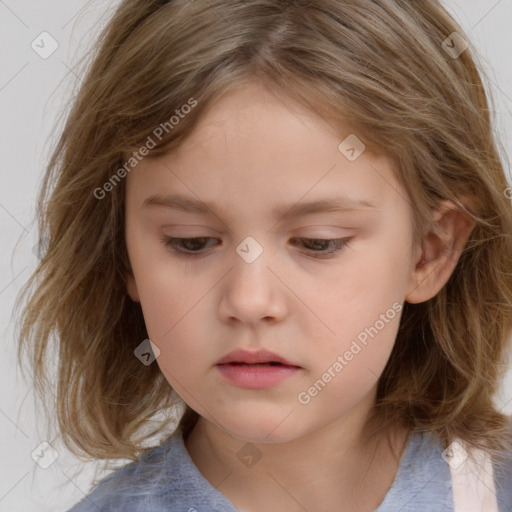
[{"x": 252, "y": 292}]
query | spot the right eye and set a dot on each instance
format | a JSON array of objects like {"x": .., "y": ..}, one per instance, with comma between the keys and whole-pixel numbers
[{"x": 192, "y": 246}]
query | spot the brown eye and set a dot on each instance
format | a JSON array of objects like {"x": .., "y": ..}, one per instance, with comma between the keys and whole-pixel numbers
[
  {"x": 194, "y": 247},
  {"x": 323, "y": 247},
  {"x": 187, "y": 247}
]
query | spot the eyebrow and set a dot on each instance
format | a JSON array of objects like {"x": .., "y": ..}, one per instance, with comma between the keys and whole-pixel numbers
[{"x": 332, "y": 204}]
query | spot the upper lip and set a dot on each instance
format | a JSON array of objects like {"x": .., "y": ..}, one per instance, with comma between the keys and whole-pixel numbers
[{"x": 248, "y": 357}]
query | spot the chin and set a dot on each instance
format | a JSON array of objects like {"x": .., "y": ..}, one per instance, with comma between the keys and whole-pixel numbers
[{"x": 261, "y": 428}]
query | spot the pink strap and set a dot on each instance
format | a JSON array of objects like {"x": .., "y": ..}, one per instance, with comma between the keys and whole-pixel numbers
[{"x": 472, "y": 481}]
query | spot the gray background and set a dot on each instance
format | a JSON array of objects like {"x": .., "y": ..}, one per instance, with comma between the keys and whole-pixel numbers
[{"x": 33, "y": 91}]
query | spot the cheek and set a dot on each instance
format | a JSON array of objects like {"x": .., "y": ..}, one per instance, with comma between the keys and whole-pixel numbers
[
  {"x": 357, "y": 291},
  {"x": 170, "y": 307},
  {"x": 360, "y": 308},
  {"x": 176, "y": 321},
  {"x": 346, "y": 367},
  {"x": 175, "y": 307},
  {"x": 164, "y": 296}
]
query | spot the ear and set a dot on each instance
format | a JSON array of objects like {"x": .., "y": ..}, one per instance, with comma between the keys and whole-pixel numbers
[
  {"x": 131, "y": 287},
  {"x": 439, "y": 253}
]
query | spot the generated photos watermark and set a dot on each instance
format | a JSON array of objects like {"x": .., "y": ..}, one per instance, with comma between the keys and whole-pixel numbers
[{"x": 305, "y": 397}]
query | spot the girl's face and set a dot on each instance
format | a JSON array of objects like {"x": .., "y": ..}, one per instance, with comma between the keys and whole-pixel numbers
[{"x": 261, "y": 276}]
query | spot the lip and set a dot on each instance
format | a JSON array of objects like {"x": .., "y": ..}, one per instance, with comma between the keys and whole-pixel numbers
[
  {"x": 252, "y": 370},
  {"x": 259, "y": 356}
]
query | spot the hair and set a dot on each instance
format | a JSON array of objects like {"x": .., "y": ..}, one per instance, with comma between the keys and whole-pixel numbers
[{"x": 380, "y": 66}]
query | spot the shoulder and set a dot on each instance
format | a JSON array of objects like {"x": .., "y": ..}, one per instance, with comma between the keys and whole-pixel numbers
[
  {"x": 503, "y": 478},
  {"x": 164, "y": 478},
  {"x": 422, "y": 482},
  {"x": 127, "y": 487}
]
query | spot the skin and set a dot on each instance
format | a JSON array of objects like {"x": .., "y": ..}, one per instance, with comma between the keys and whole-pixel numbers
[{"x": 250, "y": 152}]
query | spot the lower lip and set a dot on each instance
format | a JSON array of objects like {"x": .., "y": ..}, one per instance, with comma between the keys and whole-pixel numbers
[{"x": 256, "y": 376}]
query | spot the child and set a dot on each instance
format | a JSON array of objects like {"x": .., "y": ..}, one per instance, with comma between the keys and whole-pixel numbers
[{"x": 302, "y": 206}]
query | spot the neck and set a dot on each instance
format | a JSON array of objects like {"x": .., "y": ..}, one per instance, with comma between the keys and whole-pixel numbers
[{"x": 346, "y": 462}]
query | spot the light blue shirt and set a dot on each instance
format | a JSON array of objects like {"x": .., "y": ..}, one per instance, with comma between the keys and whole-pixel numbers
[{"x": 165, "y": 479}]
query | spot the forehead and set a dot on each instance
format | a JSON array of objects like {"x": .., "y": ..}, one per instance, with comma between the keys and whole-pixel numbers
[{"x": 251, "y": 146}]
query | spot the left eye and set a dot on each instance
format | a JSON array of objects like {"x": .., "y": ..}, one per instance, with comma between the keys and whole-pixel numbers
[
  {"x": 316, "y": 245},
  {"x": 191, "y": 247}
]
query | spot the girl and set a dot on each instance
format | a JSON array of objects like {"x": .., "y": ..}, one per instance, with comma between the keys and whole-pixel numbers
[{"x": 290, "y": 218}]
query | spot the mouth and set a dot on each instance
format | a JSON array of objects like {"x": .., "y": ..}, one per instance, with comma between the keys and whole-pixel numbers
[
  {"x": 269, "y": 363},
  {"x": 256, "y": 370},
  {"x": 257, "y": 375},
  {"x": 258, "y": 358}
]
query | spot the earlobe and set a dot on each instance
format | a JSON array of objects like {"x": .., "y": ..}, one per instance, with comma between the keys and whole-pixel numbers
[
  {"x": 439, "y": 253},
  {"x": 131, "y": 287}
]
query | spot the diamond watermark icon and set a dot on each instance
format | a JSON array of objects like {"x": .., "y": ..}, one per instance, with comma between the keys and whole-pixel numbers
[
  {"x": 40, "y": 248},
  {"x": 454, "y": 45},
  {"x": 44, "y": 45},
  {"x": 352, "y": 147},
  {"x": 455, "y": 455},
  {"x": 45, "y": 455},
  {"x": 248, "y": 455},
  {"x": 249, "y": 249},
  {"x": 147, "y": 352}
]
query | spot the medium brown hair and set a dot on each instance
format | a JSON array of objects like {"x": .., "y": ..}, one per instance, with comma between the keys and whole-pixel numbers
[{"x": 380, "y": 66}]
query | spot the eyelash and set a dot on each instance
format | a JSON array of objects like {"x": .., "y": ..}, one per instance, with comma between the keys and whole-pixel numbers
[{"x": 172, "y": 243}]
